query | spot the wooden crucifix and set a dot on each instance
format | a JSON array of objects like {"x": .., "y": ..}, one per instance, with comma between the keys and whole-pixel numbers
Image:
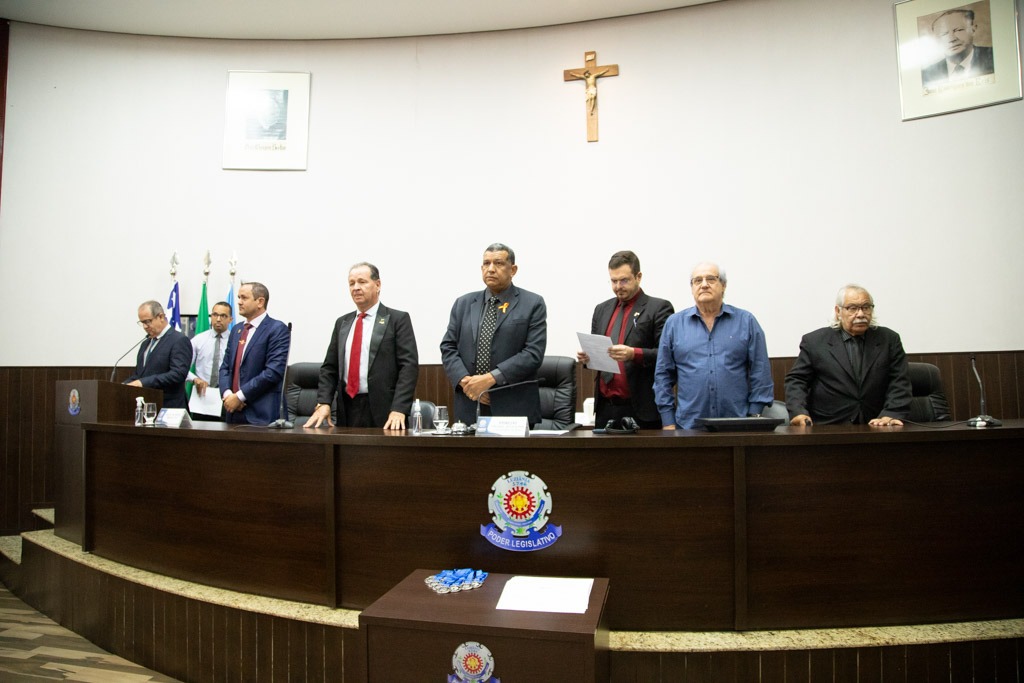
[{"x": 589, "y": 74}]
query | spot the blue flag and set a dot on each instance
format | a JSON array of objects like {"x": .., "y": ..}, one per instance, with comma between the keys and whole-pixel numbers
[
  {"x": 174, "y": 308},
  {"x": 231, "y": 303}
]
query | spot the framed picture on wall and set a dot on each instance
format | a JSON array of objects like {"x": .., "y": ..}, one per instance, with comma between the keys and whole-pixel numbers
[
  {"x": 955, "y": 56},
  {"x": 266, "y": 121}
]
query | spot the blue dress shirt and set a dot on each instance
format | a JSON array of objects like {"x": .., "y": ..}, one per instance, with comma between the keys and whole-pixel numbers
[{"x": 722, "y": 373}]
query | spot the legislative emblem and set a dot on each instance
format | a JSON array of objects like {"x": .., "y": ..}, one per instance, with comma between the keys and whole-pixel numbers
[
  {"x": 520, "y": 504},
  {"x": 74, "y": 403},
  {"x": 472, "y": 663}
]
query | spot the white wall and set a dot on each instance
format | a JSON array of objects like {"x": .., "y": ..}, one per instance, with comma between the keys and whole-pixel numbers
[{"x": 764, "y": 135}]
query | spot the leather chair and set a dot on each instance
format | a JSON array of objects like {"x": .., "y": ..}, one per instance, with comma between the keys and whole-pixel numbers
[
  {"x": 426, "y": 412},
  {"x": 302, "y": 381},
  {"x": 557, "y": 376},
  {"x": 928, "y": 402},
  {"x": 777, "y": 409}
]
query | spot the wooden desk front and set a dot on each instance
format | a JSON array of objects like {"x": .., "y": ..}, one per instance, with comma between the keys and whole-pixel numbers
[{"x": 835, "y": 526}]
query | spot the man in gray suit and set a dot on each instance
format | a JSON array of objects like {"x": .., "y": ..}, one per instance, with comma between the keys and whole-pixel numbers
[
  {"x": 372, "y": 363},
  {"x": 496, "y": 338}
]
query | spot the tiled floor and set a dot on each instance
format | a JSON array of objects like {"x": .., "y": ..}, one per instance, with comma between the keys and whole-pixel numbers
[{"x": 34, "y": 648}]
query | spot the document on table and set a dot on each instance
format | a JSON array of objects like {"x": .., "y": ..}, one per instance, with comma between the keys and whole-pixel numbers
[
  {"x": 209, "y": 404},
  {"x": 546, "y": 594},
  {"x": 596, "y": 346}
]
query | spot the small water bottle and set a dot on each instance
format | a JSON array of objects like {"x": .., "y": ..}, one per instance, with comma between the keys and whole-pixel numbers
[
  {"x": 417, "y": 417},
  {"x": 140, "y": 411}
]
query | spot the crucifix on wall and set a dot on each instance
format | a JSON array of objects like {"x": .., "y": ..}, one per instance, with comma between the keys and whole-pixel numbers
[{"x": 589, "y": 75}]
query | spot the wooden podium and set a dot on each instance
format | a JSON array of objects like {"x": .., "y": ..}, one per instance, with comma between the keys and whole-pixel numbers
[
  {"x": 78, "y": 402},
  {"x": 412, "y": 633}
]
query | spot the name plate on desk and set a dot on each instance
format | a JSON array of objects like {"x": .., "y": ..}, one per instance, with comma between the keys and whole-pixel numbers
[
  {"x": 494, "y": 425},
  {"x": 174, "y": 417}
]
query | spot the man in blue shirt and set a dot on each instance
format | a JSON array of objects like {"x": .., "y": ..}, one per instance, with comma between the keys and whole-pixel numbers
[{"x": 715, "y": 357}]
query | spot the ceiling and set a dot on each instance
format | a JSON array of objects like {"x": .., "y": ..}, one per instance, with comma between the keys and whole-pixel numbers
[{"x": 318, "y": 19}]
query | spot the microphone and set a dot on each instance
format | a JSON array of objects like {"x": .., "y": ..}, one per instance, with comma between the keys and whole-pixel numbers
[
  {"x": 113, "y": 373},
  {"x": 984, "y": 419},
  {"x": 282, "y": 421},
  {"x": 537, "y": 381}
]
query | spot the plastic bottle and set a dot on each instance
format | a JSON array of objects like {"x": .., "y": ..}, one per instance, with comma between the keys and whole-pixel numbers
[
  {"x": 140, "y": 411},
  {"x": 417, "y": 417}
]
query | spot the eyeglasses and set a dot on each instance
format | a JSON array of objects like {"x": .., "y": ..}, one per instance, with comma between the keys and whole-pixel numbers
[
  {"x": 854, "y": 308},
  {"x": 710, "y": 279},
  {"x": 622, "y": 281},
  {"x": 220, "y": 315},
  {"x": 147, "y": 322}
]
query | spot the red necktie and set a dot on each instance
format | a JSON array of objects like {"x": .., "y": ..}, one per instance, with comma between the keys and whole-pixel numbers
[
  {"x": 352, "y": 384},
  {"x": 238, "y": 357}
]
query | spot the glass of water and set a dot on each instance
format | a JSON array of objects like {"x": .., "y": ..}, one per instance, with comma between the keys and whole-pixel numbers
[
  {"x": 150, "y": 413},
  {"x": 441, "y": 419}
]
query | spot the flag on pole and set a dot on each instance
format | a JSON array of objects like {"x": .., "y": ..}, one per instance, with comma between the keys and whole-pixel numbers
[
  {"x": 231, "y": 303},
  {"x": 174, "y": 308},
  {"x": 202, "y": 325}
]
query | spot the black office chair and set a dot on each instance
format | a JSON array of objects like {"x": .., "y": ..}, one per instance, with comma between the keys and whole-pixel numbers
[
  {"x": 928, "y": 402},
  {"x": 302, "y": 380},
  {"x": 557, "y": 392},
  {"x": 426, "y": 412}
]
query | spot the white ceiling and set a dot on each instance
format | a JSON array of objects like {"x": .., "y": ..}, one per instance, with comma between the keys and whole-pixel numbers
[{"x": 319, "y": 19}]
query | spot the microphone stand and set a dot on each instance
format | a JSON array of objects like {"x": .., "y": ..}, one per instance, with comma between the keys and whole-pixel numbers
[
  {"x": 113, "y": 373},
  {"x": 472, "y": 429},
  {"x": 984, "y": 419},
  {"x": 283, "y": 422}
]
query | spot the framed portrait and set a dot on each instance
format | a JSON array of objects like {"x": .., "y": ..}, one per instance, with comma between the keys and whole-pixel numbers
[
  {"x": 266, "y": 121},
  {"x": 956, "y": 56}
]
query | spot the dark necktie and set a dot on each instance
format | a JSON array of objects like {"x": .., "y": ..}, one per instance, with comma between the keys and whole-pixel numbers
[
  {"x": 352, "y": 383},
  {"x": 487, "y": 327},
  {"x": 238, "y": 357},
  {"x": 149, "y": 350},
  {"x": 857, "y": 355},
  {"x": 215, "y": 369}
]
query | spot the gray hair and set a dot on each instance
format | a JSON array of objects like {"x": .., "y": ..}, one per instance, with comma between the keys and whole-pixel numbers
[
  {"x": 498, "y": 246},
  {"x": 155, "y": 307},
  {"x": 721, "y": 271},
  {"x": 835, "y": 323}
]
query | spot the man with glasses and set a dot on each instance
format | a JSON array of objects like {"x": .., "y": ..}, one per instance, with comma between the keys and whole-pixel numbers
[
  {"x": 850, "y": 372},
  {"x": 713, "y": 359},
  {"x": 164, "y": 356},
  {"x": 496, "y": 338},
  {"x": 634, "y": 322},
  {"x": 209, "y": 347}
]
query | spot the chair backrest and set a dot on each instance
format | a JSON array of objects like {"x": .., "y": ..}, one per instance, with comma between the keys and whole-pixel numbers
[
  {"x": 303, "y": 379},
  {"x": 928, "y": 402},
  {"x": 557, "y": 377},
  {"x": 426, "y": 412},
  {"x": 776, "y": 409}
]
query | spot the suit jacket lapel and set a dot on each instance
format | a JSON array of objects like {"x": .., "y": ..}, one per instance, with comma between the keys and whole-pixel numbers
[
  {"x": 638, "y": 310},
  {"x": 837, "y": 348},
  {"x": 872, "y": 351},
  {"x": 504, "y": 310},
  {"x": 380, "y": 325},
  {"x": 343, "y": 329}
]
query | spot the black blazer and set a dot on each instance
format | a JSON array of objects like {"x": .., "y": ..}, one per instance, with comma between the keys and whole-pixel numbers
[
  {"x": 644, "y": 332},
  {"x": 393, "y": 364},
  {"x": 166, "y": 368},
  {"x": 821, "y": 383},
  {"x": 517, "y": 349}
]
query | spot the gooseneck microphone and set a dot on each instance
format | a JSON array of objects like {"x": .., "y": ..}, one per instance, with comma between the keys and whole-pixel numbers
[
  {"x": 537, "y": 381},
  {"x": 282, "y": 421},
  {"x": 113, "y": 373},
  {"x": 983, "y": 419}
]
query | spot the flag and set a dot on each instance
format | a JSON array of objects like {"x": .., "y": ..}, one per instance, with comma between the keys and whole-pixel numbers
[
  {"x": 231, "y": 303},
  {"x": 202, "y": 325},
  {"x": 174, "y": 308}
]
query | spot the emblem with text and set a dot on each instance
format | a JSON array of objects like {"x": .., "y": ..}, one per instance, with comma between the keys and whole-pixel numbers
[
  {"x": 520, "y": 504},
  {"x": 473, "y": 663}
]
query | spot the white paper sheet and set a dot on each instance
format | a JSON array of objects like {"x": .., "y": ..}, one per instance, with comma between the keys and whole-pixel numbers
[
  {"x": 546, "y": 594},
  {"x": 210, "y": 404},
  {"x": 596, "y": 346}
]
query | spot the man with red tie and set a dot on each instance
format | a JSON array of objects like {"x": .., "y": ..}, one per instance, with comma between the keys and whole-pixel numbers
[
  {"x": 372, "y": 363},
  {"x": 634, "y": 322},
  {"x": 252, "y": 373}
]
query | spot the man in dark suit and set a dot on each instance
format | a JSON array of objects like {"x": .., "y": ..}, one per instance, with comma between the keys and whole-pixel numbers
[
  {"x": 252, "y": 372},
  {"x": 853, "y": 371},
  {"x": 634, "y": 322},
  {"x": 496, "y": 338},
  {"x": 164, "y": 359},
  {"x": 954, "y": 30},
  {"x": 377, "y": 389}
]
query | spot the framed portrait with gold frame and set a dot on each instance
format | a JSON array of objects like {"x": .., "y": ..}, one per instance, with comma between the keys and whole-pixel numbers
[{"x": 954, "y": 56}]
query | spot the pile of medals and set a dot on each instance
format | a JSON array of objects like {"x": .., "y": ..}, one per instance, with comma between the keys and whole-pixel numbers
[{"x": 455, "y": 580}]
